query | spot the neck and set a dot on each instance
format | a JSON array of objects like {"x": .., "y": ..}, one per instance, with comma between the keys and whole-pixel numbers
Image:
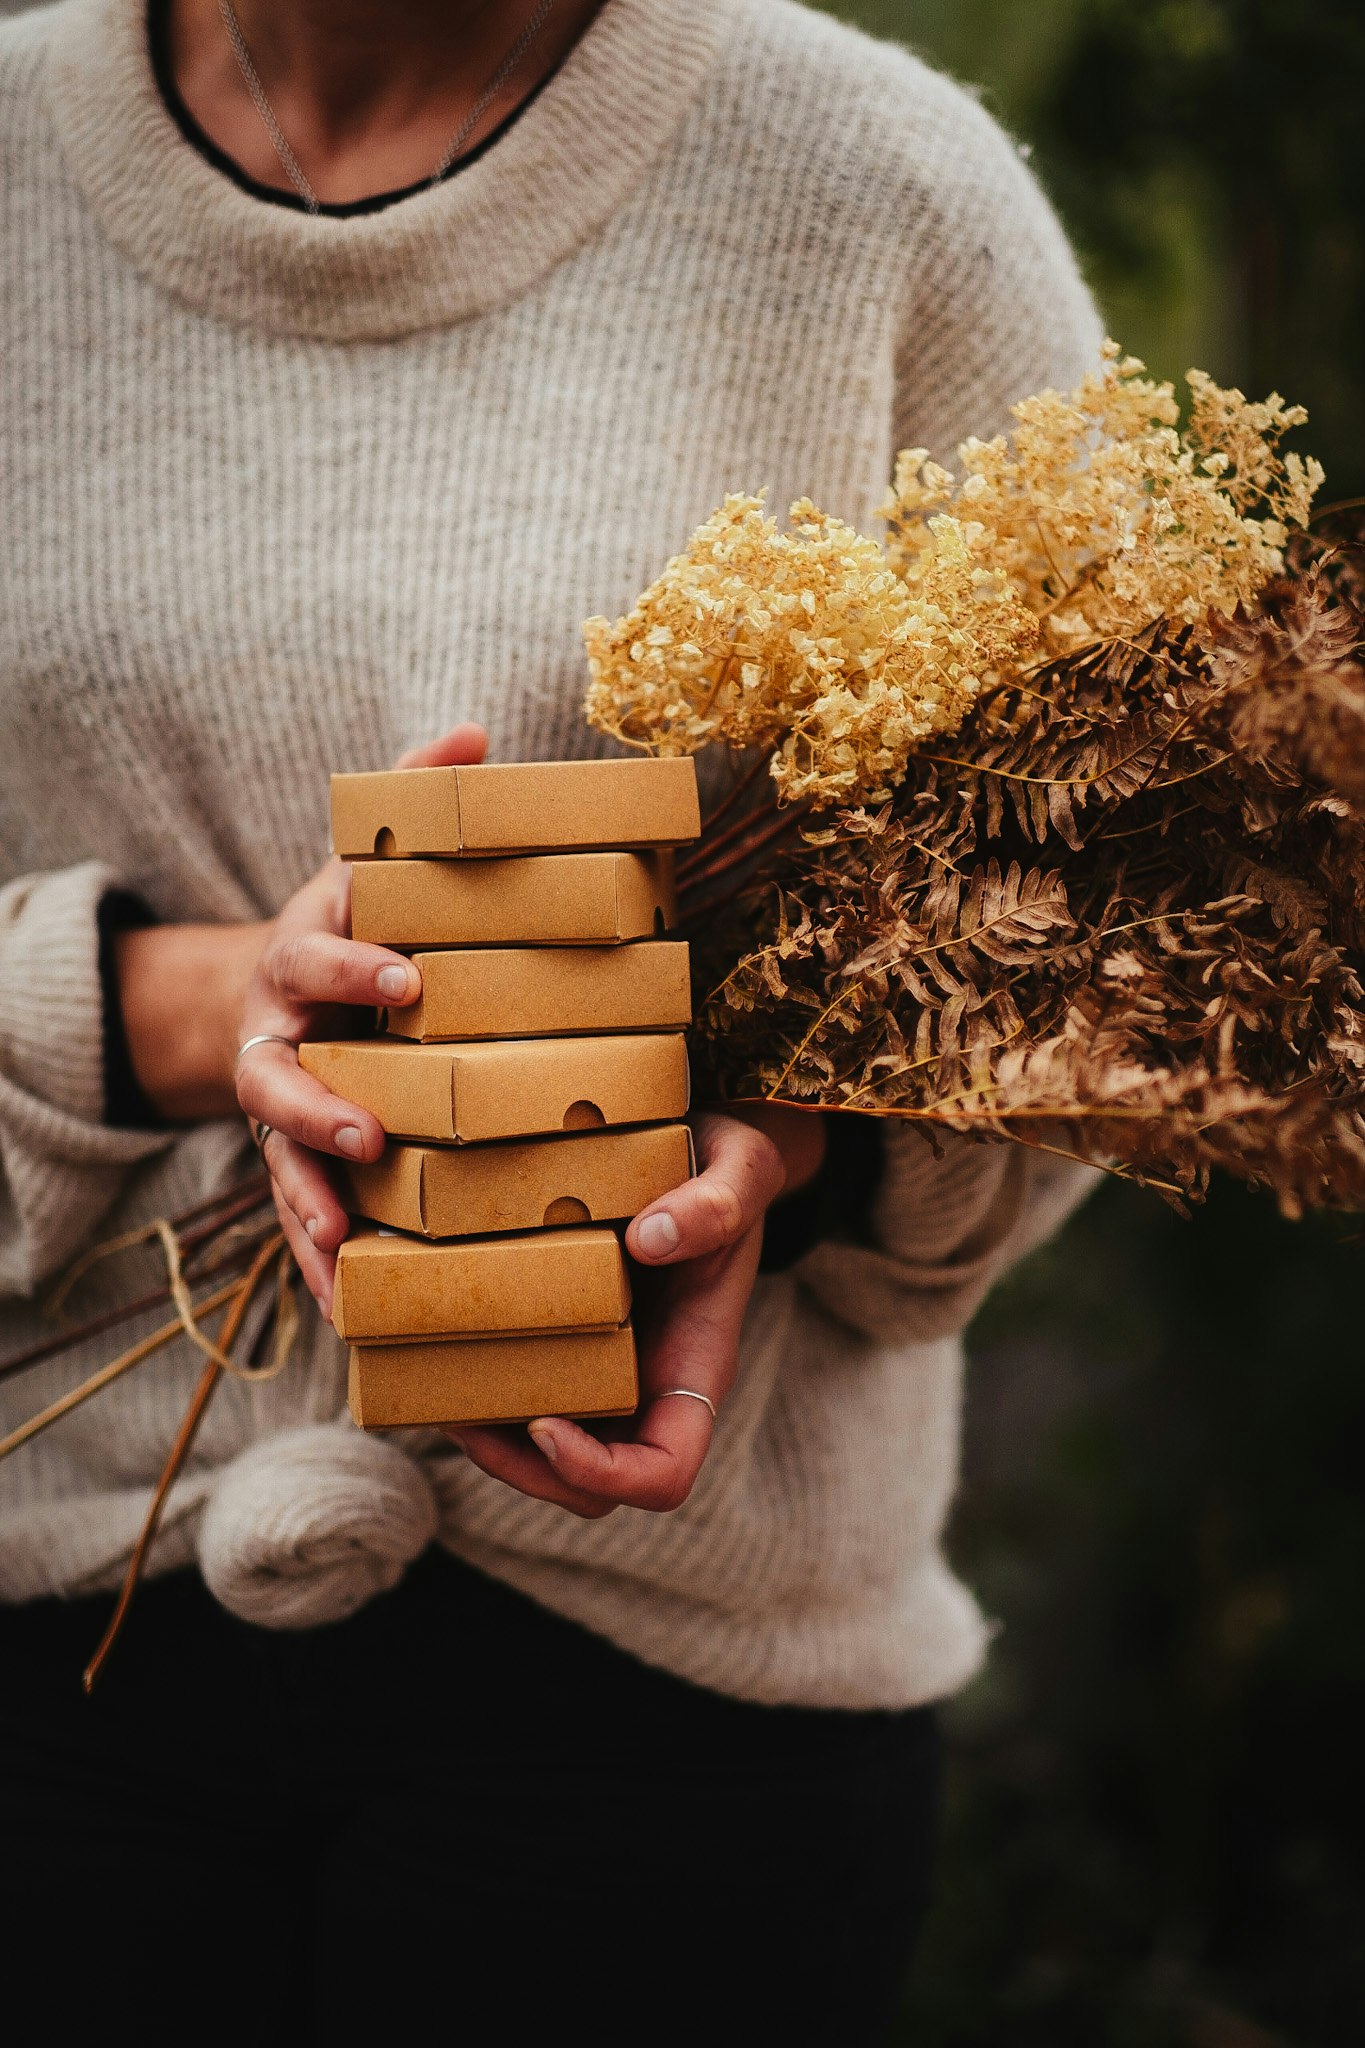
[
  {"x": 351, "y": 58},
  {"x": 366, "y": 93}
]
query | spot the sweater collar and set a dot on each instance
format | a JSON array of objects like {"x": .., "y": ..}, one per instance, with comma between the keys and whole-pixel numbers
[{"x": 461, "y": 248}]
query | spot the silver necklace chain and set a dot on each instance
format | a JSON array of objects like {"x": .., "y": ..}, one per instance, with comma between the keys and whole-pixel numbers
[{"x": 290, "y": 164}]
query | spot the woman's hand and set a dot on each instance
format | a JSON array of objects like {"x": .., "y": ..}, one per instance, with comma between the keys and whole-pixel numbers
[
  {"x": 307, "y": 971},
  {"x": 704, "y": 1240}
]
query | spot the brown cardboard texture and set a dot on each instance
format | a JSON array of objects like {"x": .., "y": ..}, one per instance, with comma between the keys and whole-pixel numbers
[
  {"x": 515, "y": 807},
  {"x": 547, "y": 991},
  {"x": 389, "y": 1286},
  {"x": 474, "y": 1190},
  {"x": 513, "y": 1088},
  {"x": 551, "y": 899},
  {"x": 493, "y": 1379}
]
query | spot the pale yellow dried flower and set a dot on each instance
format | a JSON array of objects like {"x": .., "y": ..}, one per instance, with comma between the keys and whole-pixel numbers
[
  {"x": 806, "y": 644},
  {"x": 1103, "y": 515}
]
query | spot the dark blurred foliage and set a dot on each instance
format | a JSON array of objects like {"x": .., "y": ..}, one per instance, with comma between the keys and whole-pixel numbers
[
  {"x": 1206, "y": 157},
  {"x": 1252, "y": 110},
  {"x": 1150, "y": 1842},
  {"x": 1151, "y": 1835}
]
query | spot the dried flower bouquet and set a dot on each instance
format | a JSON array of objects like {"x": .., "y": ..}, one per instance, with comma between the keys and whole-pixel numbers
[{"x": 1062, "y": 830}]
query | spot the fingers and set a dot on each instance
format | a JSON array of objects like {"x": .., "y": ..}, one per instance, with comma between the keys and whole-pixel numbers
[
  {"x": 656, "y": 1470},
  {"x": 311, "y": 1215},
  {"x": 304, "y": 1185},
  {"x": 741, "y": 1174},
  {"x": 318, "y": 1268},
  {"x": 695, "y": 1342},
  {"x": 319, "y": 968},
  {"x": 695, "y": 1346},
  {"x": 462, "y": 747},
  {"x": 509, "y": 1455},
  {"x": 273, "y": 1089},
  {"x": 709, "y": 1233}
]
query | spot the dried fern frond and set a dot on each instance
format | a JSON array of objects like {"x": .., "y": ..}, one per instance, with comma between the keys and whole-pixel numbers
[
  {"x": 1291, "y": 685},
  {"x": 1124, "y": 918}
]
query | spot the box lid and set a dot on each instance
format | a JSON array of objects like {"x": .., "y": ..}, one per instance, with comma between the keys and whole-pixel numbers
[
  {"x": 547, "y": 991},
  {"x": 492, "y": 1379},
  {"x": 515, "y": 807},
  {"x": 526, "y": 899},
  {"x": 540, "y": 1183},
  {"x": 512, "y": 1088},
  {"x": 393, "y": 1286}
]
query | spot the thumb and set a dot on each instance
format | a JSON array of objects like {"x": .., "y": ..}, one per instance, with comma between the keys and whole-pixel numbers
[{"x": 462, "y": 747}]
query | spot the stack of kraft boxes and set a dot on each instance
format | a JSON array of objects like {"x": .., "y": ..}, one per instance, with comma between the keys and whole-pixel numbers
[{"x": 534, "y": 1092}]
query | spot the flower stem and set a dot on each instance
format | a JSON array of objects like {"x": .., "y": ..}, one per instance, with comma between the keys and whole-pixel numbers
[
  {"x": 733, "y": 796},
  {"x": 179, "y": 1451},
  {"x": 734, "y": 856}
]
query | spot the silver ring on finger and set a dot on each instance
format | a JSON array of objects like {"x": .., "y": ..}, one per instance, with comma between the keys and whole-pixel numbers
[
  {"x": 264, "y": 1038},
  {"x": 687, "y": 1394}
]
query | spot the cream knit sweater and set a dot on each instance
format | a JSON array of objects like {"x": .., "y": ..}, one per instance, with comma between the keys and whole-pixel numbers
[{"x": 280, "y": 495}]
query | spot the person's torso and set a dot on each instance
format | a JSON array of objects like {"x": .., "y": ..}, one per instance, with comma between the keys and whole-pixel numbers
[{"x": 232, "y": 562}]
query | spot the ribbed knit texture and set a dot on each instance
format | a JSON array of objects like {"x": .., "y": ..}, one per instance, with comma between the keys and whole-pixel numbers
[{"x": 281, "y": 495}]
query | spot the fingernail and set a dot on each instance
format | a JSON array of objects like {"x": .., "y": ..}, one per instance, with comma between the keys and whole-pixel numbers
[
  {"x": 312, "y": 1226},
  {"x": 350, "y": 1141},
  {"x": 392, "y": 983},
  {"x": 657, "y": 1236},
  {"x": 543, "y": 1436}
]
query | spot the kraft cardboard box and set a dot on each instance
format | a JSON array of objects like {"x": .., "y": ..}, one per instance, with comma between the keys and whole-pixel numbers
[
  {"x": 498, "y": 1379},
  {"x": 515, "y": 807},
  {"x": 547, "y": 992},
  {"x": 390, "y": 1286},
  {"x": 476, "y": 1190},
  {"x": 552, "y": 899},
  {"x": 510, "y": 1088}
]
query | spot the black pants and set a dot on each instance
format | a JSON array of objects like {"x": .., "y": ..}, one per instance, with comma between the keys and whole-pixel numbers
[{"x": 453, "y": 1805}]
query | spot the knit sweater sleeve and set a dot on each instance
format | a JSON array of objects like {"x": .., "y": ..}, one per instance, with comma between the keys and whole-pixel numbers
[
  {"x": 994, "y": 308},
  {"x": 945, "y": 1224},
  {"x": 60, "y": 1166}
]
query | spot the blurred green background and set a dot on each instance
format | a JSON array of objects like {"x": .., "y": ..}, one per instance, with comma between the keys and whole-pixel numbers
[{"x": 1149, "y": 1838}]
